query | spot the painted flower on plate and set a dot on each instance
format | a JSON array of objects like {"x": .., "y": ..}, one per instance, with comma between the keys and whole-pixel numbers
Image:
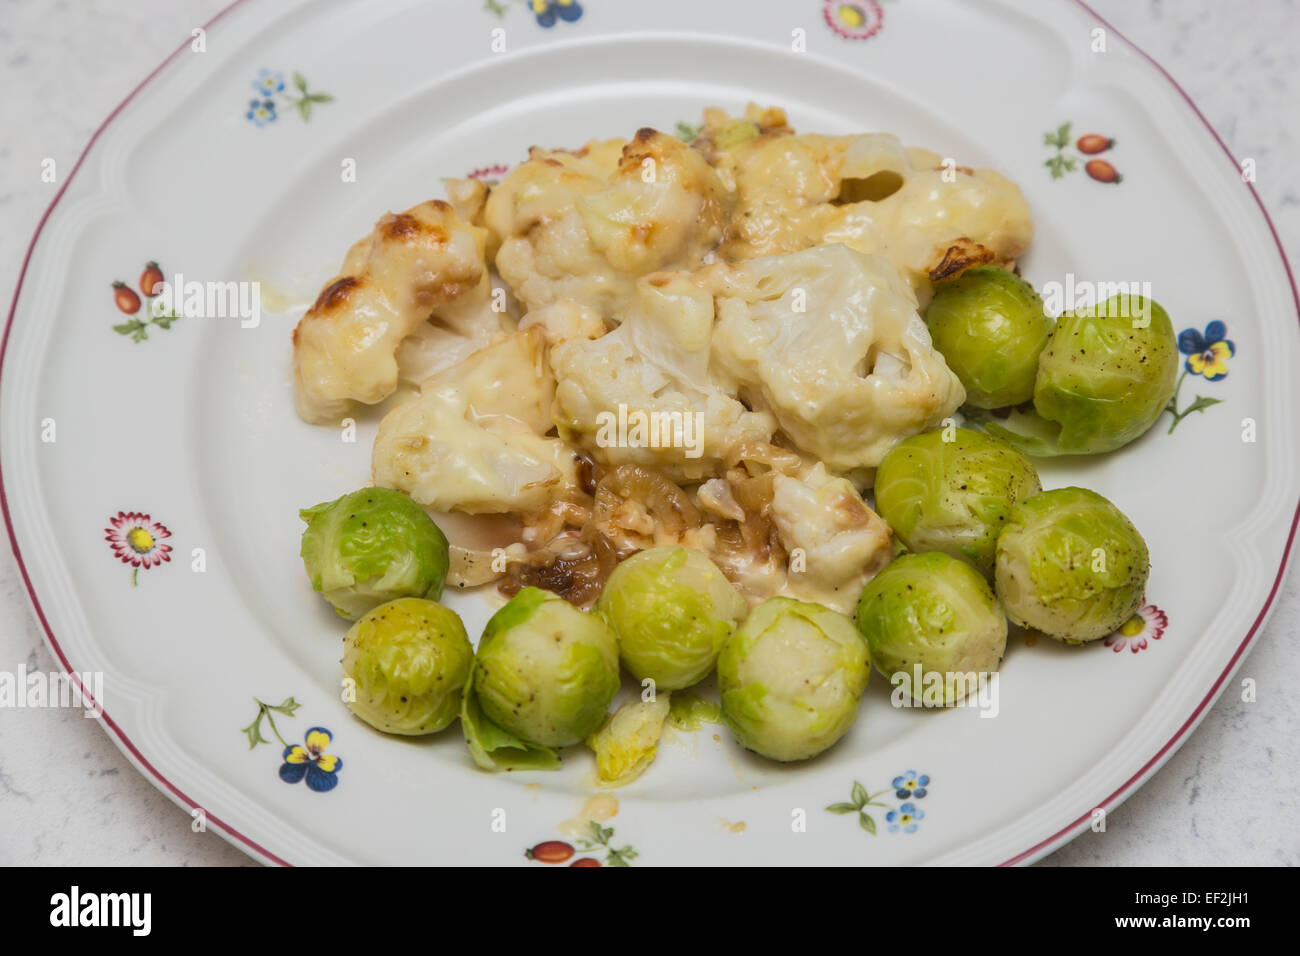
[
  {"x": 904, "y": 819},
  {"x": 268, "y": 83},
  {"x": 1207, "y": 352},
  {"x": 261, "y": 112},
  {"x": 548, "y": 12},
  {"x": 137, "y": 540},
  {"x": 489, "y": 174},
  {"x": 910, "y": 784},
  {"x": 854, "y": 19},
  {"x": 310, "y": 761},
  {"x": 1148, "y": 623}
]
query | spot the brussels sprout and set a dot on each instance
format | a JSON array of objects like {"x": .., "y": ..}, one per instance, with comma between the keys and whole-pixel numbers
[
  {"x": 1070, "y": 564},
  {"x": 791, "y": 677},
  {"x": 990, "y": 327},
  {"x": 493, "y": 748},
  {"x": 932, "y": 621},
  {"x": 1105, "y": 377},
  {"x": 410, "y": 660},
  {"x": 672, "y": 610},
  {"x": 372, "y": 546},
  {"x": 953, "y": 496},
  {"x": 626, "y": 743},
  {"x": 545, "y": 672}
]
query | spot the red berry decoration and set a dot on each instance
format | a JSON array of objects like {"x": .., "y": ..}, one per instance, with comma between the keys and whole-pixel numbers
[
  {"x": 1102, "y": 171},
  {"x": 552, "y": 851},
  {"x": 151, "y": 279},
  {"x": 125, "y": 298},
  {"x": 1092, "y": 143}
]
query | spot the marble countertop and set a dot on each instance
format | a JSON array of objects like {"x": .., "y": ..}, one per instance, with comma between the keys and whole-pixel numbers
[{"x": 68, "y": 796}]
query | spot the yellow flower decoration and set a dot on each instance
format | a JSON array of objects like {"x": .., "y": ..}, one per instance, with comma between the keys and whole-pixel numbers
[{"x": 1213, "y": 362}]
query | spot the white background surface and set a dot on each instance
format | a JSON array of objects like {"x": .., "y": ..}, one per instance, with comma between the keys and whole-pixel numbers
[{"x": 68, "y": 796}]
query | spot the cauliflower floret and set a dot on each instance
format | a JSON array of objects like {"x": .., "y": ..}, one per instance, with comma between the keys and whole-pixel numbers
[
  {"x": 564, "y": 320},
  {"x": 585, "y": 224},
  {"x": 424, "y": 262},
  {"x": 645, "y": 394},
  {"x": 866, "y": 191},
  {"x": 830, "y": 342},
  {"x": 835, "y": 542},
  {"x": 469, "y": 198},
  {"x": 474, "y": 439}
]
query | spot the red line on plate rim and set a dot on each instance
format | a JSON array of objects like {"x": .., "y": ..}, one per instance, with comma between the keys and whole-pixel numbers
[
  {"x": 125, "y": 742},
  {"x": 165, "y": 784},
  {"x": 1217, "y": 687}
]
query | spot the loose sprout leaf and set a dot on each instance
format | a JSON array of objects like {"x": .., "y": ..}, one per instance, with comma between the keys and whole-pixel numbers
[
  {"x": 1032, "y": 434},
  {"x": 287, "y": 706},
  {"x": 626, "y": 743},
  {"x": 867, "y": 823},
  {"x": 689, "y": 711},
  {"x": 493, "y": 748},
  {"x": 843, "y": 808},
  {"x": 859, "y": 795}
]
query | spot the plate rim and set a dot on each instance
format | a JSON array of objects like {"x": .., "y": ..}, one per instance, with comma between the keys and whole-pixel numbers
[{"x": 250, "y": 846}]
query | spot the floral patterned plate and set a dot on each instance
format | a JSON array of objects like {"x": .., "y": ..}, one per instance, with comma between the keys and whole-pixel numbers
[{"x": 153, "y": 466}]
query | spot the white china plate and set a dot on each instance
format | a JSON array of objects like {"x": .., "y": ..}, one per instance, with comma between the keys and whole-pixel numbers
[{"x": 194, "y": 426}]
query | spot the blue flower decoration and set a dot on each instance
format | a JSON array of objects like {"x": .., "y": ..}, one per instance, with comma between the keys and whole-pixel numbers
[
  {"x": 548, "y": 11},
  {"x": 261, "y": 112},
  {"x": 905, "y": 818},
  {"x": 312, "y": 762},
  {"x": 268, "y": 83},
  {"x": 909, "y": 785},
  {"x": 1207, "y": 352}
]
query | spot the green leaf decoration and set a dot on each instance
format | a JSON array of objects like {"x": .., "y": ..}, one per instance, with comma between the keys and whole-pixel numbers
[
  {"x": 1198, "y": 404},
  {"x": 1060, "y": 138},
  {"x": 287, "y": 707},
  {"x": 1201, "y": 404},
  {"x": 254, "y": 732},
  {"x": 867, "y": 823},
  {"x": 620, "y": 857},
  {"x": 134, "y": 328},
  {"x": 1061, "y": 164},
  {"x": 843, "y": 808},
  {"x": 859, "y": 796},
  {"x": 300, "y": 81}
]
